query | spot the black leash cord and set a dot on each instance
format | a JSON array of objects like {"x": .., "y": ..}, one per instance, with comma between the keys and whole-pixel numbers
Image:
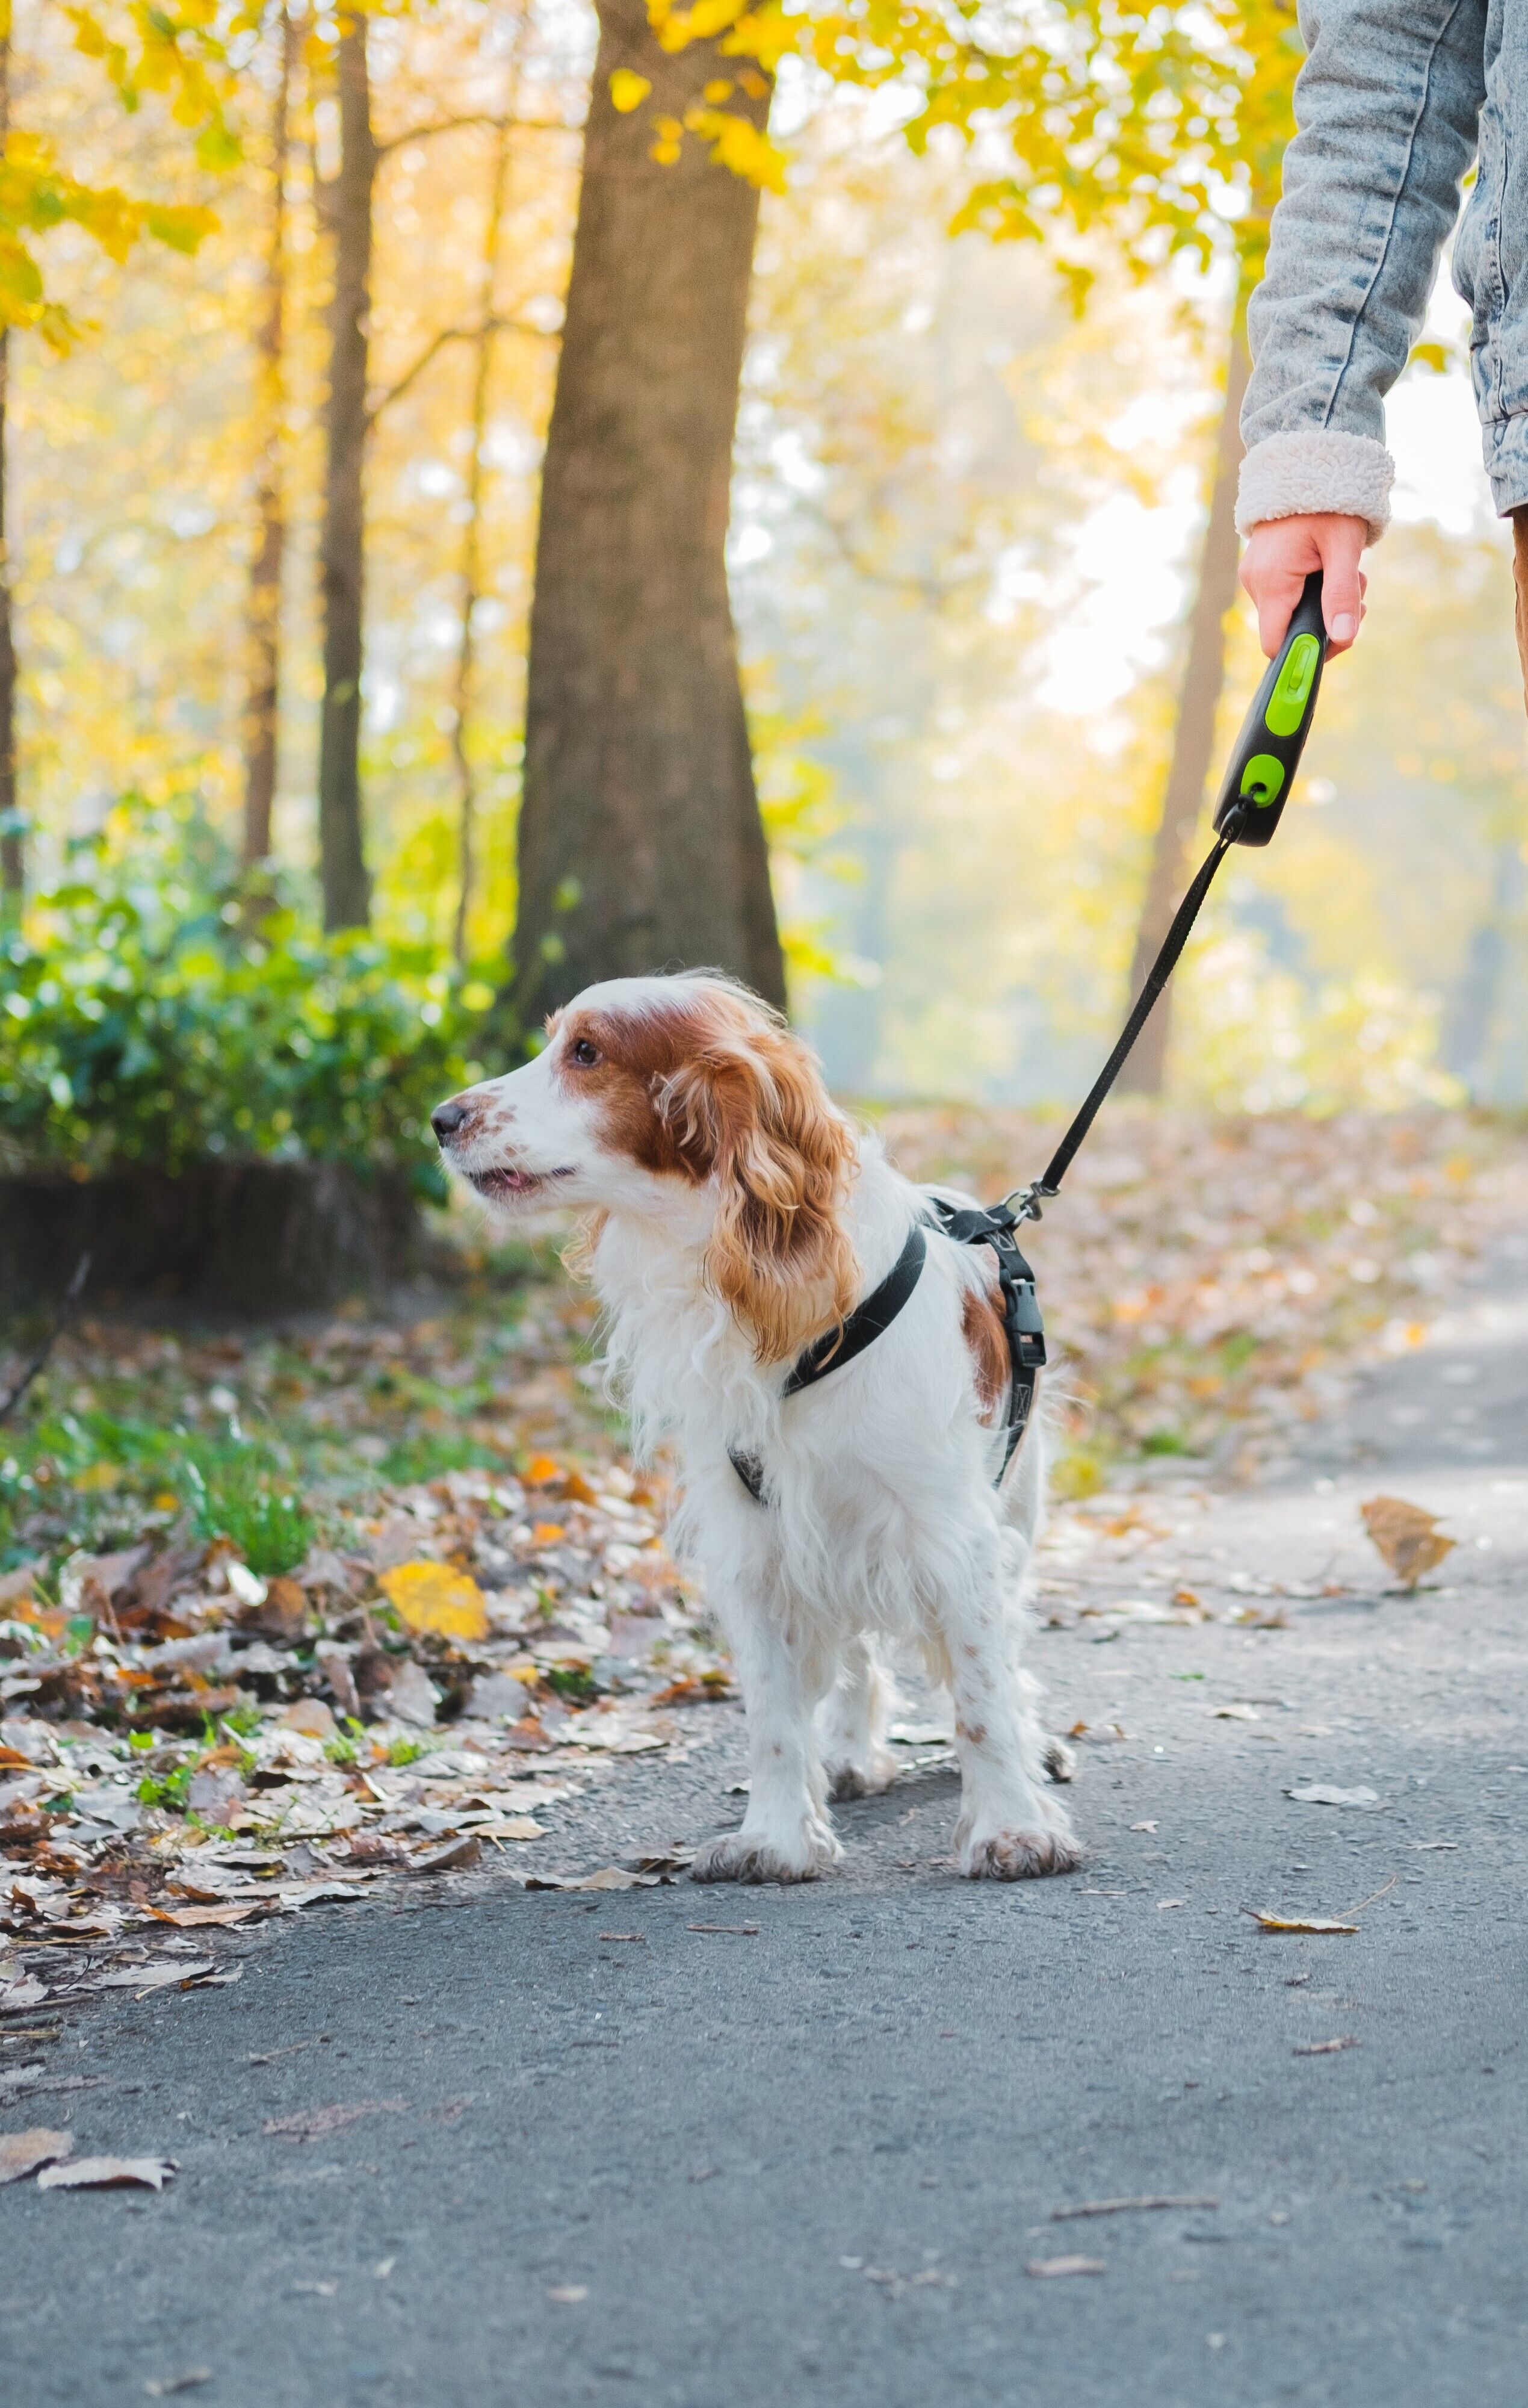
[
  {"x": 1254, "y": 792},
  {"x": 1161, "y": 971}
]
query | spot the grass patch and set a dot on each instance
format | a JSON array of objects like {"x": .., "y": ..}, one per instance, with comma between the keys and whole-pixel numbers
[
  {"x": 172, "y": 1789},
  {"x": 432, "y": 1453},
  {"x": 573, "y": 1682},
  {"x": 238, "y": 1501}
]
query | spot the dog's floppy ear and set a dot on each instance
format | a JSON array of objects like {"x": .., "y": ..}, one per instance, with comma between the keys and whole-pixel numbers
[{"x": 751, "y": 1114}]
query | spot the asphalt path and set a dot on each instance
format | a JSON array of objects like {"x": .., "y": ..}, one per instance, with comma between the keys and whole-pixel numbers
[{"x": 604, "y": 2150}]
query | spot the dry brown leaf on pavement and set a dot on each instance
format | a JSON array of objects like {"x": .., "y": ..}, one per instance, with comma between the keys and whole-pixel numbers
[
  {"x": 608, "y": 1877},
  {"x": 316, "y": 2123},
  {"x": 144, "y": 1978},
  {"x": 1311, "y": 1923},
  {"x": 22, "y": 2153},
  {"x": 1407, "y": 1536},
  {"x": 1320, "y": 1793},
  {"x": 1317, "y": 1924},
  {"x": 432, "y": 1596},
  {"x": 1329, "y": 2047},
  {"x": 27, "y": 1992},
  {"x": 449, "y": 1857},
  {"x": 1131, "y": 2206},
  {"x": 1045, "y": 2269},
  {"x": 164, "y": 2387},
  {"x": 192, "y": 1917},
  {"x": 109, "y": 2173}
]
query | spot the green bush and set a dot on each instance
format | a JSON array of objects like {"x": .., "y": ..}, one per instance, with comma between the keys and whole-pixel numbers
[{"x": 151, "y": 1012}]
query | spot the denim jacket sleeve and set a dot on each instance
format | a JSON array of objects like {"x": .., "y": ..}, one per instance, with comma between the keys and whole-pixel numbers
[{"x": 1387, "y": 106}]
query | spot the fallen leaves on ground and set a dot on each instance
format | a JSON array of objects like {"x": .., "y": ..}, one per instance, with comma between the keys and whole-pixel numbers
[
  {"x": 1212, "y": 1278},
  {"x": 194, "y": 1917},
  {"x": 109, "y": 2173},
  {"x": 1148, "y": 2201},
  {"x": 1407, "y": 1536},
  {"x": 432, "y": 1597},
  {"x": 1314, "y": 1924},
  {"x": 164, "y": 2387},
  {"x": 1318, "y": 1925},
  {"x": 22, "y": 2153},
  {"x": 1329, "y": 2047},
  {"x": 1048, "y": 2269},
  {"x": 321, "y": 1760}
]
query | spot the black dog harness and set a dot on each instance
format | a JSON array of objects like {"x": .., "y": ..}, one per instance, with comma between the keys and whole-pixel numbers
[{"x": 969, "y": 1226}]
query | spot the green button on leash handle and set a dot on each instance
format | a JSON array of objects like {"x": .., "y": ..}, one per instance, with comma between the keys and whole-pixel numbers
[{"x": 1273, "y": 734}]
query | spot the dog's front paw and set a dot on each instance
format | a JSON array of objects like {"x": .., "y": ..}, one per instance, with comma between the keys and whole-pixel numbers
[
  {"x": 1018, "y": 1855},
  {"x": 748, "y": 1856},
  {"x": 854, "y": 1776}
]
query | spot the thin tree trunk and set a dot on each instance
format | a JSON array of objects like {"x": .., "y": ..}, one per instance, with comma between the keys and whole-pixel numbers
[
  {"x": 472, "y": 536},
  {"x": 346, "y": 888},
  {"x": 263, "y": 706},
  {"x": 12, "y": 852},
  {"x": 1193, "y": 738},
  {"x": 640, "y": 842}
]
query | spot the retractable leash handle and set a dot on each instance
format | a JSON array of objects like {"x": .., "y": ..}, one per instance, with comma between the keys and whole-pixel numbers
[{"x": 1260, "y": 770}]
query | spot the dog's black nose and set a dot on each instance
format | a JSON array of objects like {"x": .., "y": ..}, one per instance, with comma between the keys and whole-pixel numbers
[{"x": 447, "y": 1118}]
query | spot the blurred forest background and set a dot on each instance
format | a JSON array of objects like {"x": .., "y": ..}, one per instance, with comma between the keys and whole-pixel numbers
[{"x": 967, "y": 524}]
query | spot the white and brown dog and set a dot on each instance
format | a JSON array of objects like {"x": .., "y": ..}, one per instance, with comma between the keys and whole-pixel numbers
[{"x": 737, "y": 1216}]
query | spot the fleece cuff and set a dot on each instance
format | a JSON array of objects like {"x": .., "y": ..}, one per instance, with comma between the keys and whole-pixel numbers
[{"x": 1316, "y": 469}]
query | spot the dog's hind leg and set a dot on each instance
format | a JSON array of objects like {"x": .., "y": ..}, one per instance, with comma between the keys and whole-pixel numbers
[{"x": 851, "y": 1725}]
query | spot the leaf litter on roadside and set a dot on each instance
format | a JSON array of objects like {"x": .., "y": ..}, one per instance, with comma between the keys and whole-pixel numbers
[{"x": 201, "y": 1745}]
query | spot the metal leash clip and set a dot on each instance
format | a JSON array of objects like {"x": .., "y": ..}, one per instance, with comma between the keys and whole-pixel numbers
[{"x": 1024, "y": 1203}]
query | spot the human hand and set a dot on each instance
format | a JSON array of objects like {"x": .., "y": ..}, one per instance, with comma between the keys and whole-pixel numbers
[{"x": 1281, "y": 555}]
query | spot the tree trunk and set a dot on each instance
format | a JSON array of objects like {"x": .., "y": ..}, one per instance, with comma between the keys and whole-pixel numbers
[
  {"x": 346, "y": 888},
  {"x": 262, "y": 706},
  {"x": 1193, "y": 738},
  {"x": 471, "y": 533},
  {"x": 12, "y": 852},
  {"x": 640, "y": 842}
]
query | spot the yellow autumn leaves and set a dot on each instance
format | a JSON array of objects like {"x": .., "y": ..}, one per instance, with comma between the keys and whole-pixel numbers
[
  {"x": 736, "y": 143},
  {"x": 34, "y": 194},
  {"x": 435, "y": 1597}
]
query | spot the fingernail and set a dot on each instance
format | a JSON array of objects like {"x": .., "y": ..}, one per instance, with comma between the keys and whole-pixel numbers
[{"x": 1344, "y": 628}]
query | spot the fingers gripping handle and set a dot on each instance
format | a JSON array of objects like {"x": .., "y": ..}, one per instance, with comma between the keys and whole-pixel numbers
[{"x": 1262, "y": 769}]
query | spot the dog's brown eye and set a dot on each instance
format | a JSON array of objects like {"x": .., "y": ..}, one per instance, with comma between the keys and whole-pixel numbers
[{"x": 585, "y": 1054}]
